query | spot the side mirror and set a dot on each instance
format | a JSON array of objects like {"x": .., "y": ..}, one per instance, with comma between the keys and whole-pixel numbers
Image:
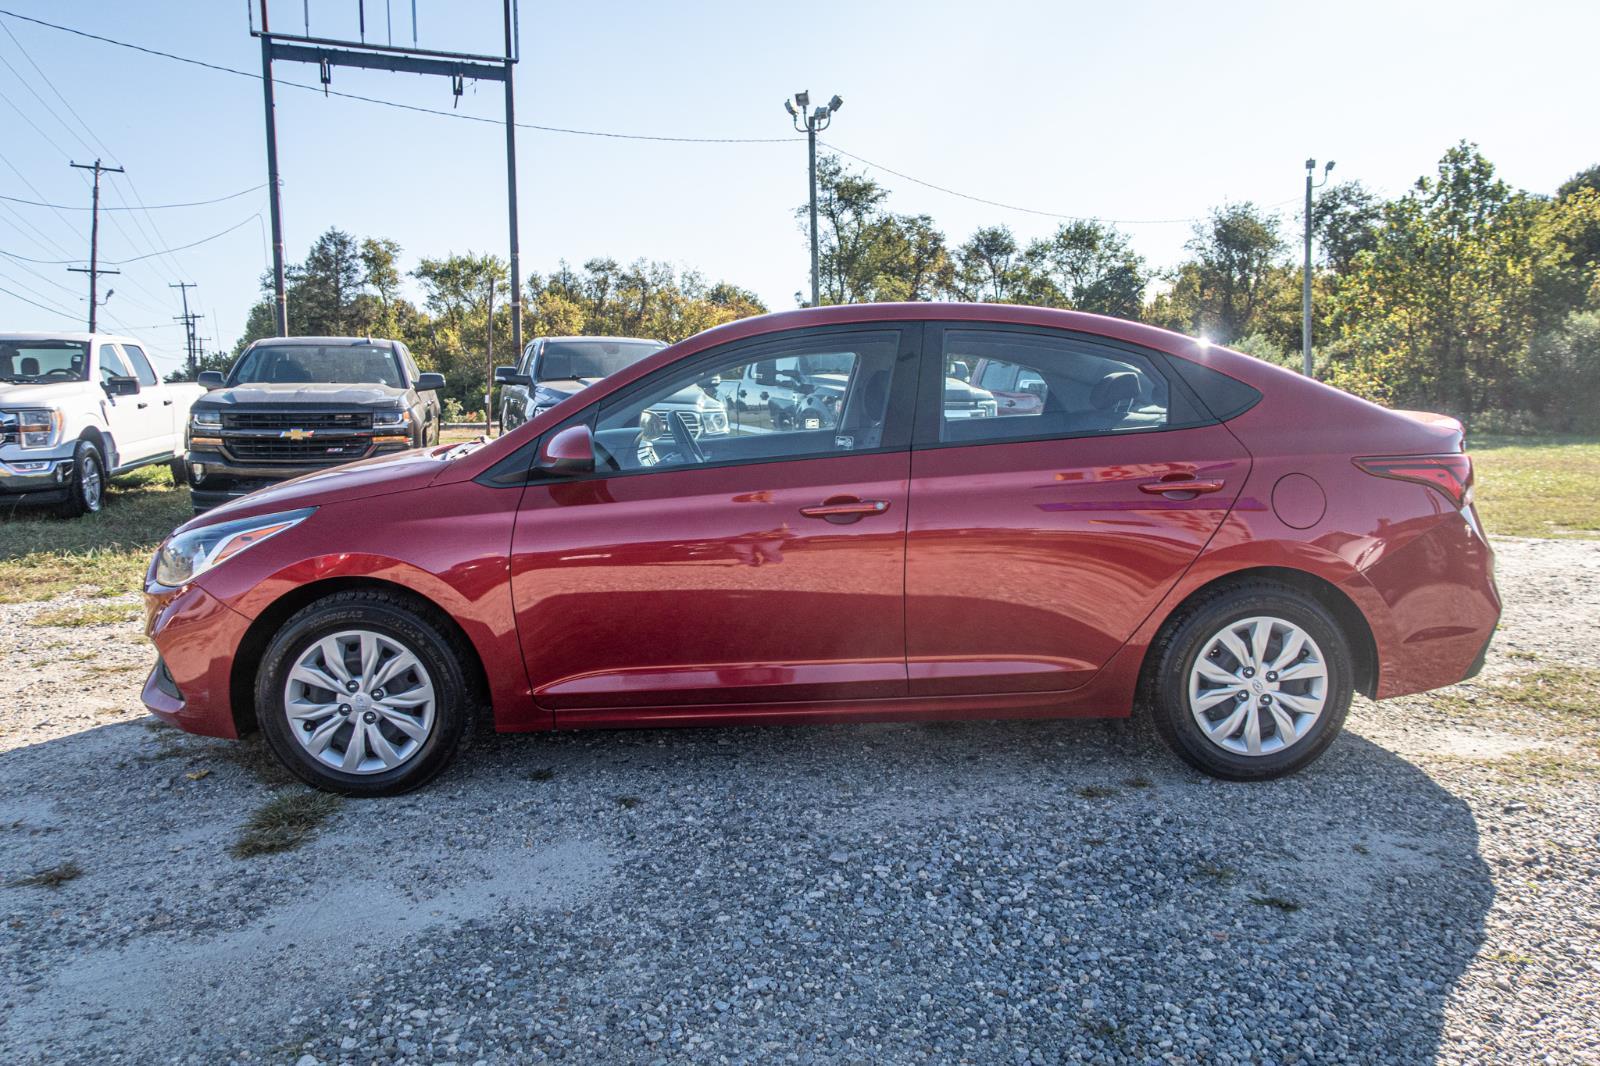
[
  {"x": 430, "y": 382},
  {"x": 960, "y": 371},
  {"x": 212, "y": 379},
  {"x": 568, "y": 452},
  {"x": 1037, "y": 388},
  {"x": 507, "y": 375},
  {"x": 122, "y": 386}
]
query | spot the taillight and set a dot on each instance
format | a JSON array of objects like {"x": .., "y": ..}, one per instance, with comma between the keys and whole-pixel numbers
[{"x": 1450, "y": 474}]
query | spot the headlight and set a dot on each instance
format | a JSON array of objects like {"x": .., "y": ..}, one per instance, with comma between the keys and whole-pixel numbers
[
  {"x": 38, "y": 428},
  {"x": 391, "y": 419},
  {"x": 185, "y": 556},
  {"x": 205, "y": 419}
]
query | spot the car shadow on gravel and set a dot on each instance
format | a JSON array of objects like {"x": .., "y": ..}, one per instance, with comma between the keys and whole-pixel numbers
[{"x": 1025, "y": 891}]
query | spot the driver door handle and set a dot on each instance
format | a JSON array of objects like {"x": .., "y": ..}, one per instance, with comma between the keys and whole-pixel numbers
[
  {"x": 845, "y": 509},
  {"x": 1189, "y": 488},
  {"x": 141, "y": 405},
  {"x": 166, "y": 403}
]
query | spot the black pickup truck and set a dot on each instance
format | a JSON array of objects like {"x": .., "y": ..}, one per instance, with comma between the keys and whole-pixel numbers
[{"x": 294, "y": 405}]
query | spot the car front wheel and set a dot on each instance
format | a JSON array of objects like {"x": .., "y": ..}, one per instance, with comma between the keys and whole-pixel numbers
[
  {"x": 1251, "y": 682},
  {"x": 86, "y": 491},
  {"x": 362, "y": 693}
]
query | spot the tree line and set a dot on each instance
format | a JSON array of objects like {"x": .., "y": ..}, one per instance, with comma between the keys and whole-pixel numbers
[{"x": 1462, "y": 295}]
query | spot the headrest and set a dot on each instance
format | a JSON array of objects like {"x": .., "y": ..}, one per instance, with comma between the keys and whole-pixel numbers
[
  {"x": 30, "y": 366},
  {"x": 1118, "y": 387}
]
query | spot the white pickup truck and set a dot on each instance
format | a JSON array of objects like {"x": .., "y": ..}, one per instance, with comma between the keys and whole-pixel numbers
[{"x": 76, "y": 408}]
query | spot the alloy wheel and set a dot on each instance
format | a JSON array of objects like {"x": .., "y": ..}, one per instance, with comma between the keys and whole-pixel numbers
[
  {"x": 360, "y": 702},
  {"x": 93, "y": 484},
  {"x": 1258, "y": 686}
]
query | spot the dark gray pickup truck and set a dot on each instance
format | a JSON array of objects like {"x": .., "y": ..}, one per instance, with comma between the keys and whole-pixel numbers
[{"x": 294, "y": 405}]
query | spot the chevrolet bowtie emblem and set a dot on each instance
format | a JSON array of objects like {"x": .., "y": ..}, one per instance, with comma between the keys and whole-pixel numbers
[{"x": 296, "y": 434}]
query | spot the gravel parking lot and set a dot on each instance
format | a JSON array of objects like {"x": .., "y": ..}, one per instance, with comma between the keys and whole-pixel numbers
[{"x": 1010, "y": 892}]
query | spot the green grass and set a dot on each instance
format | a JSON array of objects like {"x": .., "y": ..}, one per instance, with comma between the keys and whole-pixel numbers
[
  {"x": 89, "y": 614},
  {"x": 1537, "y": 487},
  {"x": 42, "y": 556},
  {"x": 284, "y": 822}
]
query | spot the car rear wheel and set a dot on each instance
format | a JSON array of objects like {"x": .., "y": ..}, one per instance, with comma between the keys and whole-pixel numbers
[
  {"x": 362, "y": 693},
  {"x": 86, "y": 492},
  {"x": 1251, "y": 682}
]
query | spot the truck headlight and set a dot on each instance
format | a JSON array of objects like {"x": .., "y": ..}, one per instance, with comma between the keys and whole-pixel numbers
[
  {"x": 185, "y": 556},
  {"x": 38, "y": 428},
  {"x": 211, "y": 420},
  {"x": 398, "y": 419}
]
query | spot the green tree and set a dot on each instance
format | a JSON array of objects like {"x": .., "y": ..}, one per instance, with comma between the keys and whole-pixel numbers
[
  {"x": 988, "y": 266},
  {"x": 1234, "y": 277},
  {"x": 1089, "y": 266}
]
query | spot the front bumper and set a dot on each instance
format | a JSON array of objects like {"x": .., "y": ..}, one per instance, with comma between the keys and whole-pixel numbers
[
  {"x": 215, "y": 478},
  {"x": 197, "y": 636},
  {"x": 39, "y": 473}
]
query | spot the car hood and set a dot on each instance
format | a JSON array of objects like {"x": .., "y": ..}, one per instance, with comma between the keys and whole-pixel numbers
[
  {"x": 956, "y": 389},
  {"x": 17, "y": 396},
  {"x": 378, "y": 476},
  {"x": 293, "y": 394},
  {"x": 688, "y": 396}
]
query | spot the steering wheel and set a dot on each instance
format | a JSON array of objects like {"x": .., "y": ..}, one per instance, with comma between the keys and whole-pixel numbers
[
  {"x": 683, "y": 437},
  {"x": 65, "y": 372}
]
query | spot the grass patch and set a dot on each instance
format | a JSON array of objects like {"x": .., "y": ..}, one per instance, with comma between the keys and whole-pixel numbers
[
  {"x": 1138, "y": 782},
  {"x": 284, "y": 823},
  {"x": 88, "y": 614},
  {"x": 1537, "y": 487},
  {"x": 1569, "y": 691},
  {"x": 1097, "y": 792},
  {"x": 54, "y": 877},
  {"x": 42, "y": 556},
  {"x": 1278, "y": 903}
]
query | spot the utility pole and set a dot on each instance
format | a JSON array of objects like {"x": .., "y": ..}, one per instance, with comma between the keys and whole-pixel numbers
[
  {"x": 1305, "y": 292},
  {"x": 488, "y": 367},
  {"x": 94, "y": 270},
  {"x": 191, "y": 346},
  {"x": 511, "y": 185},
  {"x": 811, "y": 124},
  {"x": 280, "y": 292}
]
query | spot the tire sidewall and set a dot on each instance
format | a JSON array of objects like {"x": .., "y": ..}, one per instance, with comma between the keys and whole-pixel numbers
[
  {"x": 84, "y": 456},
  {"x": 1171, "y": 683},
  {"x": 422, "y": 639}
]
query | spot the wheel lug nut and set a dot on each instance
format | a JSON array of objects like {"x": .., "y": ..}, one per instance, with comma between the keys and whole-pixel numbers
[
  {"x": 350, "y": 686},
  {"x": 369, "y": 718},
  {"x": 344, "y": 709},
  {"x": 1272, "y": 675},
  {"x": 307, "y": 726},
  {"x": 377, "y": 693},
  {"x": 1249, "y": 672},
  {"x": 1265, "y": 700},
  {"x": 1243, "y": 696}
]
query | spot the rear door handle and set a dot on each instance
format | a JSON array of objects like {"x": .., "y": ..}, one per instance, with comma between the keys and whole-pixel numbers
[
  {"x": 1189, "y": 489},
  {"x": 841, "y": 509},
  {"x": 166, "y": 403}
]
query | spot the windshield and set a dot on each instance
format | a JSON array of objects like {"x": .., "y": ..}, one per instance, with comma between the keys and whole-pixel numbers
[
  {"x": 27, "y": 362},
  {"x": 337, "y": 364},
  {"x": 561, "y": 360}
]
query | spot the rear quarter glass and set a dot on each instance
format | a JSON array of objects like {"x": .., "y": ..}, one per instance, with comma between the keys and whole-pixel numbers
[{"x": 1223, "y": 396}]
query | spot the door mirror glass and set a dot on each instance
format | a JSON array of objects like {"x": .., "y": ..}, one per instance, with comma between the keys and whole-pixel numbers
[
  {"x": 212, "y": 379},
  {"x": 430, "y": 382},
  {"x": 122, "y": 386},
  {"x": 568, "y": 451}
]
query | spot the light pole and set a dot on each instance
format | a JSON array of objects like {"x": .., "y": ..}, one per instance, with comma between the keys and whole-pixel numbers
[
  {"x": 811, "y": 123},
  {"x": 1305, "y": 293}
]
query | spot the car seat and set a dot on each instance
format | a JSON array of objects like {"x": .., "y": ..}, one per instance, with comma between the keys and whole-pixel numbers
[{"x": 30, "y": 366}]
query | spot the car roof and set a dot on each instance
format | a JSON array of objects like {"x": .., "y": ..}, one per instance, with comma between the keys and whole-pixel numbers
[
  {"x": 608, "y": 340},
  {"x": 308, "y": 341},
  {"x": 69, "y": 335}
]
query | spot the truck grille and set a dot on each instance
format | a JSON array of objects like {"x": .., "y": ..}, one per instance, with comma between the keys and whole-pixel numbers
[
  {"x": 325, "y": 420},
  {"x": 270, "y": 450}
]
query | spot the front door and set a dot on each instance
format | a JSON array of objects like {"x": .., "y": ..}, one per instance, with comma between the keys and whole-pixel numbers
[
  {"x": 1039, "y": 541},
  {"x": 702, "y": 565}
]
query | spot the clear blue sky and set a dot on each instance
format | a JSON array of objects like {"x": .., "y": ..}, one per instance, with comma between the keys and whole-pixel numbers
[{"x": 1139, "y": 110}]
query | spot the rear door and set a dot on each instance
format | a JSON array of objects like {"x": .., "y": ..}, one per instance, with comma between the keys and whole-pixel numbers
[
  {"x": 1039, "y": 541},
  {"x": 703, "y": 565}
]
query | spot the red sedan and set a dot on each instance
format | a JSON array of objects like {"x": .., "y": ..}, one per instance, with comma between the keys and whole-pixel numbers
[{"x": 1226, "y": 544}]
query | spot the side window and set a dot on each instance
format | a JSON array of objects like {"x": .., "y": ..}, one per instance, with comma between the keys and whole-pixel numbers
[
  {"x": 412, "y": 373},
  {"x": 112, "y": 364},
  {"x": 813, "y": 395},
  {"x": 1037, "y": 385},
  {"x": 141, "y": 365},
  {"x": 527, "y": 358}
]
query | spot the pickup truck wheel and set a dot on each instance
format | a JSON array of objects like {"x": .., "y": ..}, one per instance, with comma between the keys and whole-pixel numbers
[
  {"x": 180, "y": 471},
  {"x": 363, "y": 693},
  {"x": 86, "y": 492}
]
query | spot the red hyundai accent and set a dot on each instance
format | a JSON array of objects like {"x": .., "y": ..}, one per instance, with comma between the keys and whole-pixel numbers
[{"x": 1226, "y": 544}]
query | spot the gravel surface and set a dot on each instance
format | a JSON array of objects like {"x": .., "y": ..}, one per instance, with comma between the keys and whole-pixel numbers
[{"x": 995, "y": 893}]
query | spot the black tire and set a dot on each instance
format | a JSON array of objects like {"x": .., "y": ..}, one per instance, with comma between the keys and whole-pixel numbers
[
  {"x": 1164, "y": 686},
  {"x": 412, "y": 624},
  {"x": 86, "y": 492},
  {"x": 179, "y": 468}
]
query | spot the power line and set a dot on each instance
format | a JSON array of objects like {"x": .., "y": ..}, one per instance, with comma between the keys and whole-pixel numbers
[
  {"x": 40, "y": 306},
  {"x": 147, "y": 255},
  {"x": 142, "y": 207}
]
